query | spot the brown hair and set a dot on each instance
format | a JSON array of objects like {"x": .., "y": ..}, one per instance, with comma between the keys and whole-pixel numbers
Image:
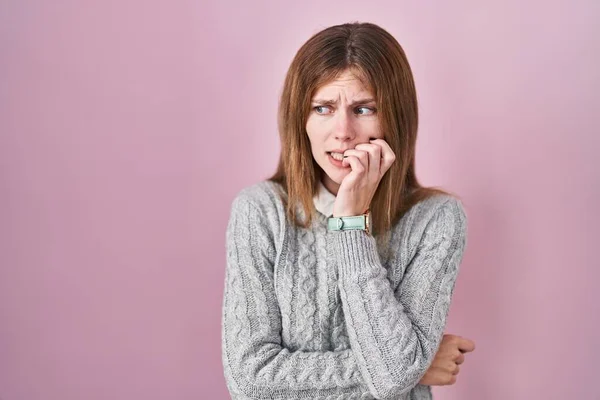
[{"x": 378, "y": 58}]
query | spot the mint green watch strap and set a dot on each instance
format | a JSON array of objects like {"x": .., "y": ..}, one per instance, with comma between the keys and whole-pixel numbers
[{"x": 347, "y": 223}]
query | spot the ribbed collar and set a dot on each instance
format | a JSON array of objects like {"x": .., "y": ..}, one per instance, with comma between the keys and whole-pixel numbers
[{"x": 324, "y": 200}]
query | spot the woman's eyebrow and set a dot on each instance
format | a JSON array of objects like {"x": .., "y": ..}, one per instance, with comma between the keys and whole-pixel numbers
[{"x": 359, "y": 101}]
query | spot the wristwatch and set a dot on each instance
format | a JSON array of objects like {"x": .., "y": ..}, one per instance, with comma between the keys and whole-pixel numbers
[{"x": 358, "y": 222}]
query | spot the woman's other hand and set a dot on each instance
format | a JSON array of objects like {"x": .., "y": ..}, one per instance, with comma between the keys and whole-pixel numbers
[{"x": 445, "y": 366}]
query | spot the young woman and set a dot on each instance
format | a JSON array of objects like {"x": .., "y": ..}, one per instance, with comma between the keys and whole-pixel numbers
[{"x": 341, "y": 267}]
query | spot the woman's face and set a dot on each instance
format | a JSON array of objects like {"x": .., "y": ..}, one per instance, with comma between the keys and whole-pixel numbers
[{"x": 343, "y": 114}]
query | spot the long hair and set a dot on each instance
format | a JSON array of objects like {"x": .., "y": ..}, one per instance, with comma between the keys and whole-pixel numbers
[{"x": 379, "y": 59}]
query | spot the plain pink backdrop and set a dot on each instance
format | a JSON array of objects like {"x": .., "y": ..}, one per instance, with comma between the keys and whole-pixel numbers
[{"x": 126, "y": 128}]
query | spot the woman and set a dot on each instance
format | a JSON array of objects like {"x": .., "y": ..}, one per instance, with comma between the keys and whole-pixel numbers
[{"x": 341, "y": 267}]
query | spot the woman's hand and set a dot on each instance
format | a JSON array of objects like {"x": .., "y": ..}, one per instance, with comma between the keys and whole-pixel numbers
[
  {"x": 369, "y": 162},
  {"x": 445, "y": 366}
]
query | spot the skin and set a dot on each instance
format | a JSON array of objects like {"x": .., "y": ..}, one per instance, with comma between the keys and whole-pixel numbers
[
  {"x": 344, "y": 117},
  {"x": 445, "y": 366}
]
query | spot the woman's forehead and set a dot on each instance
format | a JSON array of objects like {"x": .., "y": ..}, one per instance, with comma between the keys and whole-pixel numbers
[{"x": 347, "y": 80}]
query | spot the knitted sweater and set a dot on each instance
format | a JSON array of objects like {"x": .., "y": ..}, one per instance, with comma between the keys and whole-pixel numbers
[{"x": 318, "y": 314}]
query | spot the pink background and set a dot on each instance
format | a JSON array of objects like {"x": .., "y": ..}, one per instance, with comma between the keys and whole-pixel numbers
[{"x": 126, "y": 128}]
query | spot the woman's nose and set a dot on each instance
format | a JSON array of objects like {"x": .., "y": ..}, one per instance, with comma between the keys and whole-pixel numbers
[{"x": 343, "y": 127}]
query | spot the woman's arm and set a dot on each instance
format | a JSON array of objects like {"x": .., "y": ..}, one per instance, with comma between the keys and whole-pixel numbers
[
  {"x": 394, "y": 334},
  {"x": 256, "y": 364}
]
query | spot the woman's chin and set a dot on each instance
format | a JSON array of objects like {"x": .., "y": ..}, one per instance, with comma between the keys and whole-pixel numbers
[{"x": 337, "y": 176}]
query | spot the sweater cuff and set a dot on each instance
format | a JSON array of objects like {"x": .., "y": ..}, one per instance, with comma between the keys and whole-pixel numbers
[{"x": 356, "y": 252}]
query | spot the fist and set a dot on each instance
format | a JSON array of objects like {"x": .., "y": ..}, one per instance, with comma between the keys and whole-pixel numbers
[
  {"x": 368, "y": 163},
  {"x": 446, "y": 363}
]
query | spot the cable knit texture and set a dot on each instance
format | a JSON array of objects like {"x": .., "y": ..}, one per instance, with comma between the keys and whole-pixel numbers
[{"x": 314, "y": 314}]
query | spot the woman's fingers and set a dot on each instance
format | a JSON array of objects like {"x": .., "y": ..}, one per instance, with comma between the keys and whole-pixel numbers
[
  {"x": 376, "y": 157},
  {"x": 466, "y": 345},
  {"x": 361, "y": 156},
  {"x": 357, "y": 167},
  {"x": 387, "y": 155},
  {"x": 374, "y": 152}
]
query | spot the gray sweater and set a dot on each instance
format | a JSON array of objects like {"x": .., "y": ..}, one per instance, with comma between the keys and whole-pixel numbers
[{"x": 313, "y": 314}]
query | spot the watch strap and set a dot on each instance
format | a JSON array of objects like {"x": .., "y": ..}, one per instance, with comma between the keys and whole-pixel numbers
[{"x": 347, "y": 223}]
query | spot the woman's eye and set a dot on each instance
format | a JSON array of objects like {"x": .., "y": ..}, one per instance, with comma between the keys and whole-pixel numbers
[
  {"x": 322, "y": 109},
  {"x": 365, "y": 111}
]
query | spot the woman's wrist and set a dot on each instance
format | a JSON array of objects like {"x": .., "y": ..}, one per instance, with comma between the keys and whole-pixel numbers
[{"x": 349, "y": 213}]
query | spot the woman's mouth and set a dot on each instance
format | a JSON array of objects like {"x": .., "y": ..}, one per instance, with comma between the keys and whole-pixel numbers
[
  {"x": 337, "y": 156},
  {"x": 336, "y": 159}
]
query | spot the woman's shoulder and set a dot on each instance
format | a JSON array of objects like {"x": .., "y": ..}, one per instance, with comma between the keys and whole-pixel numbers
[
  {"x": 437, "y": 214},
  {"x": 437, "y": 204},
  {"x": 264, "y": 194},
  {"x": 262, "y": 202},
  {"x": 255, "y": 215}
]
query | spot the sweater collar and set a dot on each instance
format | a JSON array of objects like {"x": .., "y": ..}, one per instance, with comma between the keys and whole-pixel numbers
[{"x": 324, "y": 200}]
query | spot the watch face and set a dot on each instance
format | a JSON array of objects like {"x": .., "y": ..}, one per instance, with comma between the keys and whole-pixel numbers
[{"x": 368, "y": 221}]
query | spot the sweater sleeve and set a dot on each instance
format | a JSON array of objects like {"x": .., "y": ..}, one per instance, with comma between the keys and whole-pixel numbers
[
  {"x": 256, "y": 363},
  {"x": 395, "y": 334}
]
